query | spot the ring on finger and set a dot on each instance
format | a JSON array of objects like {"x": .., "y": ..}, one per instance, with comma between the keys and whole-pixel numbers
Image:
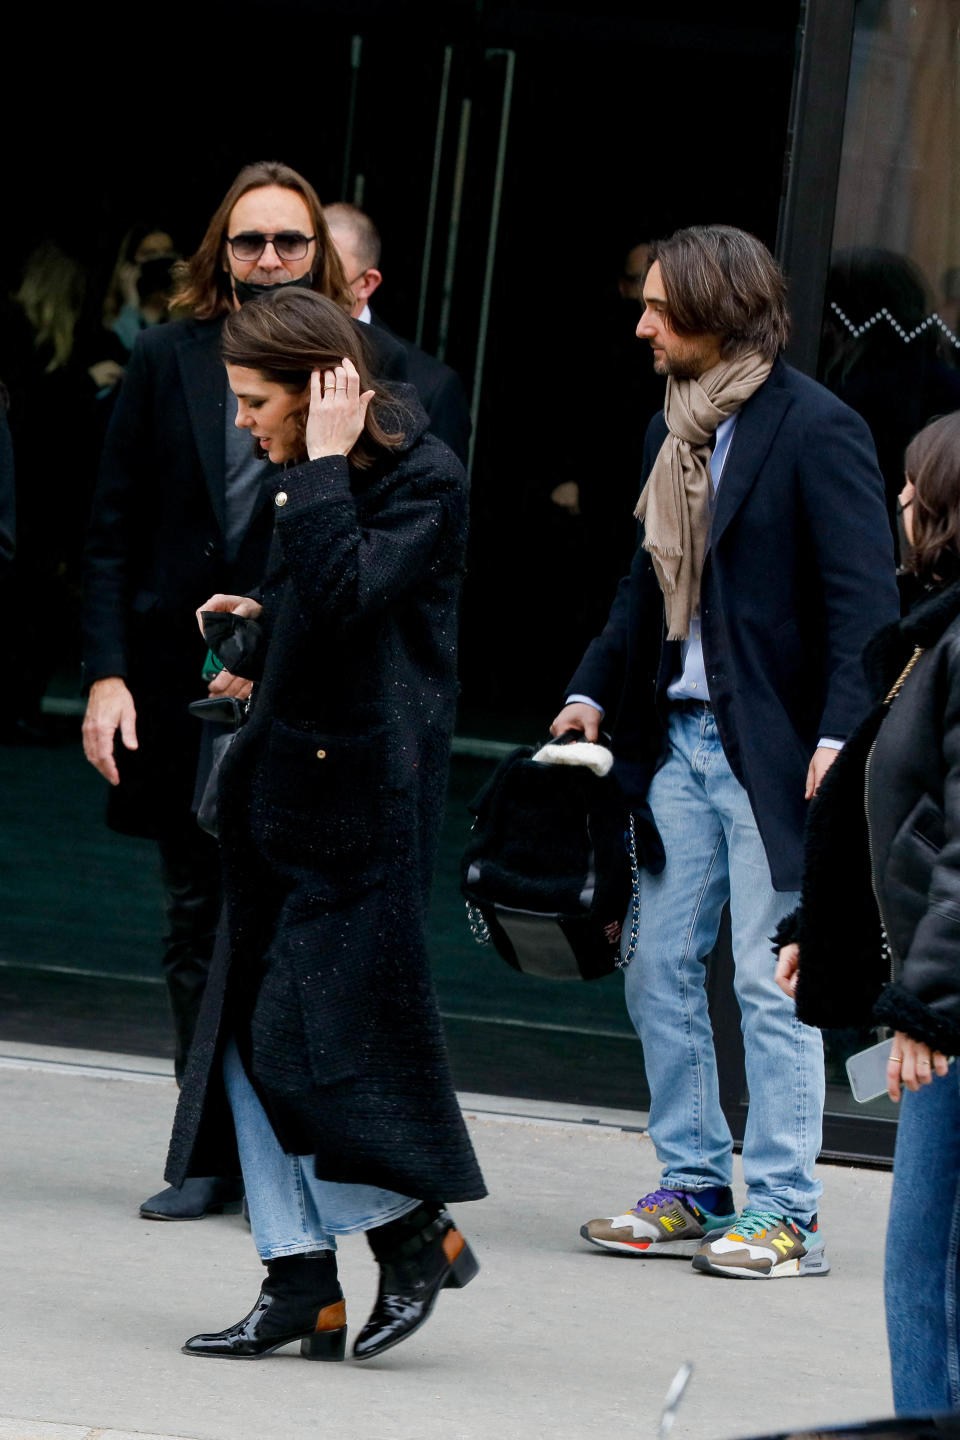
[{"x": 896, "y": 1060}]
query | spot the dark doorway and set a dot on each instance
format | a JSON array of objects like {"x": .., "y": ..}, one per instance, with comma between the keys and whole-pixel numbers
[{"x": 511, "y": 155}]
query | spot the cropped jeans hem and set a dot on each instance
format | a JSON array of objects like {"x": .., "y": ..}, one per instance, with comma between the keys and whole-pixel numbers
[{"x": 292, "y": 1212}]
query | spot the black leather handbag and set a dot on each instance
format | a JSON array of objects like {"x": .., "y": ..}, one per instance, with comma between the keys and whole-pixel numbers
[
  {"x": 550, "y": 868},
  {"x": 238, "y": 644},
  {"x": 223, "y": 715}
]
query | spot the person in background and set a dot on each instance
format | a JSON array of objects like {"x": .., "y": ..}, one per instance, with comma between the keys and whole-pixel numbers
[
  {"x": 876, "y": 937},
  {"x": 138, "y": 294},
  {"x": 440, "y": 389},
  {"x": 729, "y": 673},
  {"x": 319, "y": 1021},
  {"x": 54, "y": 359},
  {"x": 879, "y": 355},
  {"x": 180, "y": 511}
]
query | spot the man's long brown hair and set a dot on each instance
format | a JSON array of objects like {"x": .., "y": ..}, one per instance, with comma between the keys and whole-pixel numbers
[
  {"x": 288, "y": 335},
  {"x": 719, "y": 280},
  {"x": 204, "y": 289},
  {"x": 932, "y": 462}
]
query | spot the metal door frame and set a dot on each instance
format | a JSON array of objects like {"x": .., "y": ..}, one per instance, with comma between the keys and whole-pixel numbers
[{"x": 812, "y": 166}]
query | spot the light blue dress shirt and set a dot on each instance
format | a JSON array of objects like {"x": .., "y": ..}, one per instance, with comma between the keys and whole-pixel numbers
[{"x": 691, "y": 683}]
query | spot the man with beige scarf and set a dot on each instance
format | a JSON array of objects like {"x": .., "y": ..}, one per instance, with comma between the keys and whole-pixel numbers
[{"x": 729, "y": 674}]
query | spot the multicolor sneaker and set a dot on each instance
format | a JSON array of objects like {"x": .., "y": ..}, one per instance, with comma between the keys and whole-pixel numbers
[
  {"x": 763, "y": 1245},
  {"x": 665, "y": 1222}
]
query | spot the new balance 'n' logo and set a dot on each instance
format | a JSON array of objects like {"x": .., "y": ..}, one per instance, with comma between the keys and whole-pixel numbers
[{"x": 673, "y": 1220}]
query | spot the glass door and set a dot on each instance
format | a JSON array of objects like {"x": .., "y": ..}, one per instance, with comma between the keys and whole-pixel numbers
[{"x": 871, "y": 240}]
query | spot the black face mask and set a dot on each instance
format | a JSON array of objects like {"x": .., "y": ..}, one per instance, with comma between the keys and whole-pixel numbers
[{"x": 246, "y": 289}]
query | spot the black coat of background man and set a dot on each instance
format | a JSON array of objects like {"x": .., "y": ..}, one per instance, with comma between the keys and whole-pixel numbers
[
  {"x": 181, "y": 512},
  {"x": 440, "y": 388}
]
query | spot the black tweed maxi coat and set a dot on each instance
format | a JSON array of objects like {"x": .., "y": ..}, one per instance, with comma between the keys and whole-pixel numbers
[{"x": 330, "y": 805}]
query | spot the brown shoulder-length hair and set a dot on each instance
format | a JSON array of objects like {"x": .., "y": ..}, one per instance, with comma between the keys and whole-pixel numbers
[
  {"x": 288, "y": 335},
  {"x": 720, "y": 280},
  {"x": 203, "y": 281},
  {"x": 932, "y": 462}
]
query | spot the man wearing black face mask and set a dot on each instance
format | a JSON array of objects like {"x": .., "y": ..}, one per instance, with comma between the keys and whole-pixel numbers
[{"x": 181, "y": 512}]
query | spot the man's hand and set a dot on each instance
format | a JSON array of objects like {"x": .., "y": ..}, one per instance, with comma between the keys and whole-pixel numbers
[
  {"x": 226, "y": 684},
  {"x": 823, "y": 758},
  {"x": 788, "y": 970},
  {"x": 232, "y": 605},
  {"x": 578, "y": 717},
  {"x": 912, "y": 1064},
  {"x": 110, "y": 708}
]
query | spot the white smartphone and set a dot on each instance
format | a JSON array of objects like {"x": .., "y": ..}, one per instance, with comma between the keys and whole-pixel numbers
[{"x": 867, "y": 1071}]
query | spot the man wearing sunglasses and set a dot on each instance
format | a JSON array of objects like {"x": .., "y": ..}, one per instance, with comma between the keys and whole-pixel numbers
[{"x": 181, "y": 512}]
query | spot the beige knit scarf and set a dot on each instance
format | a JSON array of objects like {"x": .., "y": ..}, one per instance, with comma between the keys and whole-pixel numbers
[{"x": 675, "y": 503}]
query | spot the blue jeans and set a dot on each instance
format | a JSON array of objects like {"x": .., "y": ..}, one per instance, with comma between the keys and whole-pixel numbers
[
  {"x": 291, "y": 1211},
  {"x": 923, "y": 1250},
  {"x": 714, "y": 854}
]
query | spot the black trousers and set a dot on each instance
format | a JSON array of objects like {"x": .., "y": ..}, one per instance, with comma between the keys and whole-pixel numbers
[{"x": 190, "y": 865}]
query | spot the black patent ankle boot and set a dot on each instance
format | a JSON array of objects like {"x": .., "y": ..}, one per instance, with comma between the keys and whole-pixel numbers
[
  {"x": 419, "y": 1255},
  {"x": 300, "y": 1300}
]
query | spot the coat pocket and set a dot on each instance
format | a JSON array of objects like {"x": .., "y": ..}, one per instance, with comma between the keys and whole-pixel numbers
[{"x": 324, "y": 797}]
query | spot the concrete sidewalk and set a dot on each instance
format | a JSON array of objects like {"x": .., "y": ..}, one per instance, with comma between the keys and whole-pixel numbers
[{"x": 552, "y": 1338}]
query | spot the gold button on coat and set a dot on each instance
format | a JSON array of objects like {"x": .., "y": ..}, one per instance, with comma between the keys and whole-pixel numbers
[{"x": 280, "y": 498}]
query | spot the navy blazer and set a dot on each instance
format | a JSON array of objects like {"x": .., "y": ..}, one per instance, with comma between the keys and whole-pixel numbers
[{"x": 798, "y": 574}]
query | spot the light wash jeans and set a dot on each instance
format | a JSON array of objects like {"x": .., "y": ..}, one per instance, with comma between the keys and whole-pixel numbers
[
  {"x": 923, "y": 1250},
  {"x": 714, "y": 853},
  {"x": 291, "y": 1211}
]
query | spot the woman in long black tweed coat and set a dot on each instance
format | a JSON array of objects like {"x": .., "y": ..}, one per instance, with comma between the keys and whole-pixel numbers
[{"x": 320, "y": 1026}]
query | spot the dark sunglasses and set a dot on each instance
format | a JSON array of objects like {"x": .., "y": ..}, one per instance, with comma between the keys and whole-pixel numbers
[{"x": 250, "y": 245}]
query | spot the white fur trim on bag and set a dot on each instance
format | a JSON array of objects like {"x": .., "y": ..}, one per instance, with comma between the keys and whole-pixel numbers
[{"x": 578, "y": 752}]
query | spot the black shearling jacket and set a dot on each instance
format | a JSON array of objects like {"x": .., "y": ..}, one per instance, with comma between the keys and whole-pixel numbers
[{"x": 879, "y": 918}]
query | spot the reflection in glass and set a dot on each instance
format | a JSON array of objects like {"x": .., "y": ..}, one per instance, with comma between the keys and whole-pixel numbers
[{"x": 890, "y": 345}]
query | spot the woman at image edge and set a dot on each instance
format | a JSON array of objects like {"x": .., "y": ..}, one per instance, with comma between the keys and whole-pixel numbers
[
  {"x": 320, "y": 1025},
  {"x": 883, "y": 849}
]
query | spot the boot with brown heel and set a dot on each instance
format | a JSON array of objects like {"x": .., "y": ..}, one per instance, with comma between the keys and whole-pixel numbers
[
  {"x": 419, "y": 1255},
  {"x": 300, "y": 1300}
]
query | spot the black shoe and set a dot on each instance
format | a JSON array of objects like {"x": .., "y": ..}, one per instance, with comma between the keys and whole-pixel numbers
[
  {"x": 300, "y": 1300},
  {"x": 199, "y": 1196},
  {"x": 419, "y": 1255}
]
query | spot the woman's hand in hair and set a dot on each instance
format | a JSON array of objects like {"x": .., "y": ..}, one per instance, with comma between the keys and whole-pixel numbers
[{"x": 337, "y": 411}]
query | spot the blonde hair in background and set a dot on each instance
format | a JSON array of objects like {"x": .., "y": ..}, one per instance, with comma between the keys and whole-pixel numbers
[{"x": 51, "y": 296}]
